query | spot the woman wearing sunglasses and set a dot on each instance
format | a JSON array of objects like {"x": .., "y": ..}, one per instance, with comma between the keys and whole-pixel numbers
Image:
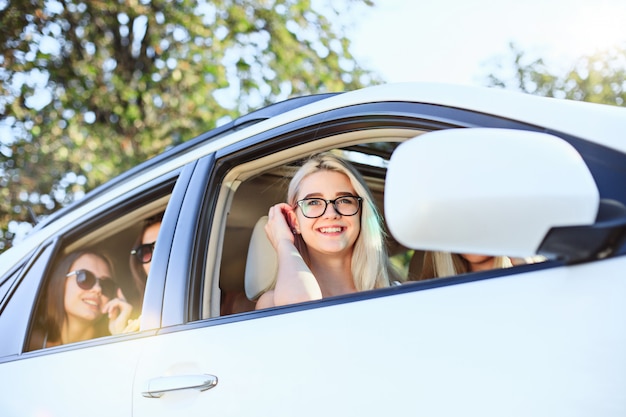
[
  {"x": 140, "y": 262},
  {"x": 141, "y": 253},
  {"x": 328, "y": 237},
  {"x": 82, "y": 302}
]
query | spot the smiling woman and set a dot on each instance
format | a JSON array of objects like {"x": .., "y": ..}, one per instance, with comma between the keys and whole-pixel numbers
[
  {"x": 328, "y": 236},
  {"x": 80, "y": 296}
]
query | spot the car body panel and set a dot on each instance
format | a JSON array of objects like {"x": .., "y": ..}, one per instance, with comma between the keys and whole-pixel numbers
[
  {"x": 84, "y": 380},
  {"x": 523, "y": 345}
]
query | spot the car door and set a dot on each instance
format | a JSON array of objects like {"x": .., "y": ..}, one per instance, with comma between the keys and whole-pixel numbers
[
  {"x": 94, "y": 377},
  {"x": 525, "y": 344},
  {"x": 538, "y": 339}
]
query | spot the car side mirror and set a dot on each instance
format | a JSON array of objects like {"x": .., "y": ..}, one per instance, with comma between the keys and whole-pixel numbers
[{"x": 491, "y": 191}]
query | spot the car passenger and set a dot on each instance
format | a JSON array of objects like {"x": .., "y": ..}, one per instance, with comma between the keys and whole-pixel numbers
[
  {"x": 141, "y": 260},
  {"x": 141, "y": 253},
  {"x": 328, "y": 236},
  {"x": 444, "y": 264},
  {"x": 82, "y": 302}
]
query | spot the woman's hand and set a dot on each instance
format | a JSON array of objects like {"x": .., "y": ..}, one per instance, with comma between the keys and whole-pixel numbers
[
  {"x": 278, "y": 227},
  {"x": 119, "y": 311},
  {"x": 295, "y": 282}
]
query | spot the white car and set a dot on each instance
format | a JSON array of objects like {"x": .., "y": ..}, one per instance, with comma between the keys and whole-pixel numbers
[{"x": 456, "y": 169}]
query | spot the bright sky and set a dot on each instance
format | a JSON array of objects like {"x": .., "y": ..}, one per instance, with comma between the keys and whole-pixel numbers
[{"x": 456, "y": 41}]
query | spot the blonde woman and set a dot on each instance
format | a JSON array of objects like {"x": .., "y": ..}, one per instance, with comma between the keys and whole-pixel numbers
[{"x": 328, "y": 236}]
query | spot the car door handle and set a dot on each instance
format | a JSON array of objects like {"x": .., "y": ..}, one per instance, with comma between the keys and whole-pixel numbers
[{"x": 156, "y": 387}]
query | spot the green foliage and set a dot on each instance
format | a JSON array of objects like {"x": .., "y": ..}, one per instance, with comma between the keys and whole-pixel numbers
[
  {"x": 598, "y": 78},
  {"x": 90, "y": 89}
]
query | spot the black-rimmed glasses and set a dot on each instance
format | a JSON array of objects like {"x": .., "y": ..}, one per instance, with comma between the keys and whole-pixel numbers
[
  {"x": 143, "y": 252},
  {"x": 86, "y": 280},
  {"x": 347, "y": 205}
]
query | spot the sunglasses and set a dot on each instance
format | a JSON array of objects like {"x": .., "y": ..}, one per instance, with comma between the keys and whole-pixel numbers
[
  {"x": 143, "y": 252},
  {"x": 86, "y": 280}
]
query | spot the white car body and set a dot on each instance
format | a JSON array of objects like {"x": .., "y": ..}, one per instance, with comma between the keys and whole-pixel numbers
[{"x": 544, "y": 339}]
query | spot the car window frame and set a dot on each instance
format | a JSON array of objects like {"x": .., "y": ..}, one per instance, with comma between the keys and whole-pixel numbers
[
  {"x": 33, "y": 278},
  {"x": 314, "y": 128},
  {"x": 20, "y": 304},
  {"x": 181, "y": 305}
]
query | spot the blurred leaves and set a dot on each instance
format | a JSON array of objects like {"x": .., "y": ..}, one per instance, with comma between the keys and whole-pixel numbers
[
  {"x": 90, "y": 89},
  {"x": 598, "y": 78}
]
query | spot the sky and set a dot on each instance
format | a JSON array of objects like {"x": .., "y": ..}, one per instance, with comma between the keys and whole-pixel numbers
[{"x": 457, "y": 41}]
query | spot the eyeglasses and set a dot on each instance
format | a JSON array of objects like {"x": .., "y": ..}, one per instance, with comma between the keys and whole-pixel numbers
[
  {"x": 347, "y": 205},
  {"x": 144, "y": 252},
  {"x": 86, "y": 280}
]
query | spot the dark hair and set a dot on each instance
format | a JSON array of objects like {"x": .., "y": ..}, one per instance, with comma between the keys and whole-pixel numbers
[
  {"x": 136, "y": 267},
  {"x": 53, "y": 310}
]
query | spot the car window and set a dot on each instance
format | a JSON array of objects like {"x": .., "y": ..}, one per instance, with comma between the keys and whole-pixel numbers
[
  {"x": 7, "y": 347},
  {"x": 252, "y": 186},
  {"x": 255, "y": 186},
  {"x": 98, "y": 273},
  {"x": 18, "y": 304}
]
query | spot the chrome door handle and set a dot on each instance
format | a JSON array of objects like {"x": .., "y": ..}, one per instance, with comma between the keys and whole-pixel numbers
[{"x": 156, "y": 387}]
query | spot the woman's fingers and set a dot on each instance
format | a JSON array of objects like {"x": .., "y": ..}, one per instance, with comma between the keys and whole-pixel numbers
[
  {"x": 119, "y": 312},
  {"x": 277, "y": 227}
]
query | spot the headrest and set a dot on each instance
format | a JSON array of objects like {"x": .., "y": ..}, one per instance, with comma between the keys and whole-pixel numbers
[{"x": 261, "y": 263}]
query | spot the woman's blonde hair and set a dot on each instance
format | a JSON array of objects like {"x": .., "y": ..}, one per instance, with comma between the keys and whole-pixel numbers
[
  {"x": 445, "y": 264},
  {"x": 370, "y": 263}
]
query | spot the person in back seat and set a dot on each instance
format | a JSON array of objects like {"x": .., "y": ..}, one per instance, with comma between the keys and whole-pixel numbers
[
  {"x": 328, "y": 236},
  {"x": 141, "y": 260},
  {"x": 82, "y": 302},
  {"x": 141, "y": 253},
  {"x": 444, "y": 264}
]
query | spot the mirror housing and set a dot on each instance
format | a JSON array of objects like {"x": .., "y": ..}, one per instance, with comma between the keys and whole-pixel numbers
[{"x": 487, "y": 191}]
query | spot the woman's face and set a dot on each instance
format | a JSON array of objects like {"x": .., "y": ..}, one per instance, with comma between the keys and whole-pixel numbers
[
  {"x": 150, "y": 236},
  {"x": 331, "y": 233},
  {"x": 87, "y": 304}
]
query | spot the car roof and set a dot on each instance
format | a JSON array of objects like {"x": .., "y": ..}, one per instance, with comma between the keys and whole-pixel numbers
[
  {"x": 601, "y": 124},
  {"x": 598, "y": 123}
]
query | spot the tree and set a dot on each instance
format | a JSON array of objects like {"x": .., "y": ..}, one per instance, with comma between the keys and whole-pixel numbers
[
  {"x": 597, "y": 78},
  {"x": 91, "y": 88}
]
